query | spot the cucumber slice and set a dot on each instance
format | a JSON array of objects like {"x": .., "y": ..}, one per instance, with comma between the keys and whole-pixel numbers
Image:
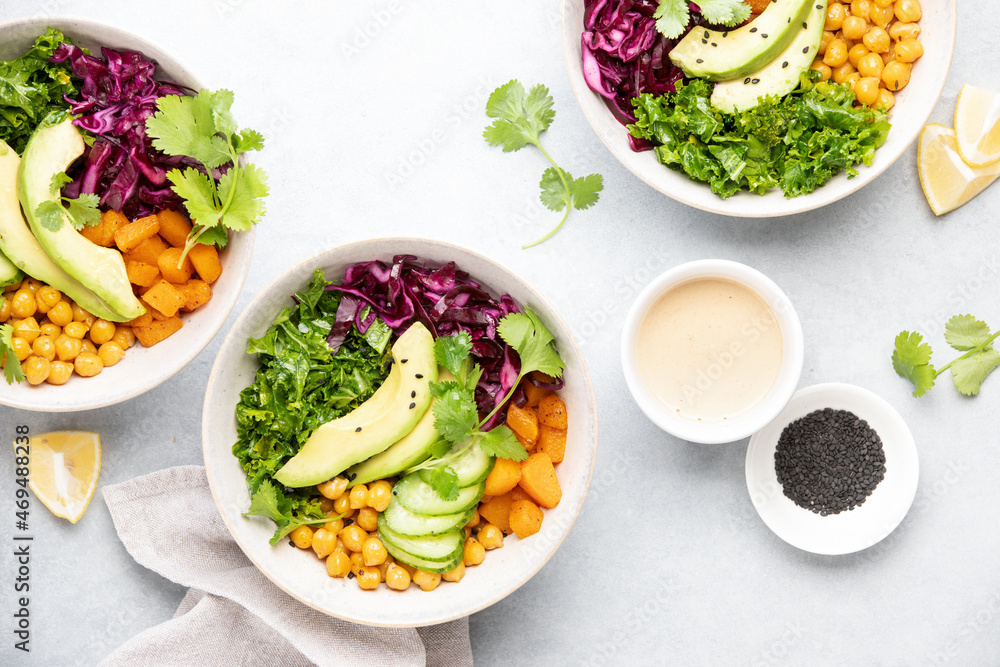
[
  {"x": 420, "y": 498},
  {"x": 438, "y": 549},
  {"x": 403, "y": 521},
  {"x": 439, "y": 567},
  {"x": 472, "y": 467}
]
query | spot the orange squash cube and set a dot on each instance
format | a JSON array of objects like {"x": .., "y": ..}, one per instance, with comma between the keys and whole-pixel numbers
[
  {"x": 525, "y": 518},
  {"x": 129, "y": 236},
  {"x": 103, "y": 234},
  {"x": 504, "y": 477},
  {"x": 523, "y": 422},
  {"x": 168, "y": 262},
  {"x": 157, "y": 331},
  {"x": 533, "y": 394},
  {"x": 196, "y": 294},
  {"x": 497, "y": 511},
  {"x": 143, "y": 320},
  {"x": 552, "y": 441},
  {"x": 164, "y": 297},
  {"x": 141, "y": 274},
  {"x": 174, "y": 227},
  {"x": 206, "y": 262},
  {"x": 538, "y": 478},
  {"x": 147, "y": 252},
  {"x": 552, "y": 412}
]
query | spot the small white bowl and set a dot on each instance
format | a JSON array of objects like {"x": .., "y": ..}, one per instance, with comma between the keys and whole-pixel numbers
[
  {"x": 300, "y": 573},
  {"x": 855, "y": 529},
  {"x": 141, "y": 369},
  {"x": 756, "y": 417},
  {"x": 913, "y": 107}
]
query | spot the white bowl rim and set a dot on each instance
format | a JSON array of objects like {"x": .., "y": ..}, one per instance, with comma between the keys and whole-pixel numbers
[
  {"x": 708, "y": 201},
  {"x": 551, "y": 313},
  {"x": 756, "y": 417},
  {"x": 43, "y": 402}
]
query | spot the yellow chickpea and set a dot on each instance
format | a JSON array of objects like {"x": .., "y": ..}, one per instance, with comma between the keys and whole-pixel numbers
[
  {"x": 835, "y": 15},
  {"x": 877, "y": 40},
  {"x": 397, "y": 578},
  {"x": 871, "y": 65},
  {"x": 857, "y": 52},
  {"x": 59, "y": 372},
  {"x": 900, "y": 31},
  {"x": 836, "y": 53},
  {"x": 456, "y": 574},
  {"x": 338, "y": 564},
  {"x": 379, "y": 495},
  {"x": 45, "y": 347},
  {"x": 841, "y": 74},
  {"x": 354, "y": 537},
  {"x": 67, "y": 347},
  {"x": 23, "y": 304},
  {"x": 896, "y": 75},
  {"x": 32, "y": 284},
  {"x": 61, "y": 314},
  {"x": 374, "y": 551},
  {"x": 102, "y": 331},
  {"x": 302, "y": 537},
  {"x": 823, "y": 69},
  {"x": 359, "y": 497},
  {"x": 881, "y": 16},
  {"x": 368, "y": 578},
  {"x": 88, "y": 346},
  {"x": 884, "y": 3},
  {"x": 908, "y": 50},
  {"x": 36, "y": 369},
  {"x": 323, "y": 542},
  {"x": 49, "y": 329},
  {"x": 825, "y": 41},
  {"x": 22, "y": 348},
  {"x": 474, "y": 521},
  {"x": 81, "y": 315},
  {"x": 886, "y": 100},
  {"x": 367, "y": 518},
  {"x": 47, "y": 297},
  {"x": 342, "y": 505},
  {"x": 427, "y": 581},
  {"x": 4, "y": 309},
  {"x": 123, "y": 337},
  {"x": 110, "y": 354},
  {"x": 860, "y": 8},
  {"x": 357, "y": 562},
  {"x": 908, "y": 11},
  {"x": 866, "y": 90},
  {"x": 475, "y": 552},
  {"x": 333, "y": 488},
  {"x": 334, "y": 526},
  {"x": 27, "y": 329},
  {"x": 88, "y": 365},
  {"x": 75, "y": 330},
  {"x": 490, "y": 537},
  {"x": 855, "y": 28}
]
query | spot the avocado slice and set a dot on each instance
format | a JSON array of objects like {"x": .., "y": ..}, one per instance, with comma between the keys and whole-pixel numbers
[
  {"x": 391, "y": 412},
  {"x": 9, "y": 273},
  {"x": 52, "y": 148},
  {"x": 731, "y": 54},
  {"x": 408, "y": 451},
  {"x": 22, "y": 248},
  {"x": 781, "y": 75}
]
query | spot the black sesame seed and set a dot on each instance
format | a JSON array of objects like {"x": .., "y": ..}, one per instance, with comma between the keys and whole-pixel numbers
[
  {"x": 805, "y": 50},
  {"x": 763, "y": 35},
  {"x": 746, "y": 80},
  {"x": 699, "y": 61},
  {"x": 419, "y": 376},
  {"x": 725, "y": 34},
  {"x": 357, "y": 430},
  {"x": 413, "y": 405},
  {"x": 413, "y": 394},
  {"x": 755, "y": 81},
  {"x": 819, "y": 6},
  {"x": 805, "y": 26},
  {"x": 753, "y": 29},
  {"x": 707, "y": 35},
  {"x": 290, "y": 543},
  {"x": 350, "y": 575},
  {"x": 714, "y": 44},
  {"x": 784, "y": 64},
  {"x": 403, "y": 361}
]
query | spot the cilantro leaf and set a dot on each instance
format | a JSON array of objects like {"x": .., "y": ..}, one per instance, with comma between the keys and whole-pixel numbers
[
  {"x": 585, "y": 191},
  {"x": 185, "y": 125},
  {"x": 672, "y": 17},
  {"x": 502, "y": 442},
  {"x": 50, "y": 215},
  {"x": 12, "y": 367},
  {"x": 269, "y": 502},
  {"x": 912, "y": 360},
  {"x": 555, "y": 195},
  {"x": 198, "y": 192},
  {"x": 83, "y": 211},
  {"x": 249, "y": 140},
  {"x": 245, "y": 189},
  {"x": 965, "y": 332},
  {"x": 59, "y": 179},
  {"x": 216, "y": 236},
  {"x": 533, "y": 343},
  {"x": 455, "y": 413},
  {"x": 442, "y": 479},
  {"x": 725, "y": 12},
  {"x": 969, "y": 373},
  {"x": 452, "y": 351}
]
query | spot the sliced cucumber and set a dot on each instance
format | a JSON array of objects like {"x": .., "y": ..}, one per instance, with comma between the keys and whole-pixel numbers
[
  {"x": 420, "y": 498},
  {"x": 439, "y": 567},
  {"x": 440, "y": 549},
  {"x": 472, "y": 466},
  {"x": 403, "y": 521}
]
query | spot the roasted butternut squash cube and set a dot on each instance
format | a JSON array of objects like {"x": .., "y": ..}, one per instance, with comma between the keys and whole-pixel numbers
[
  {"x": 141, "y": 274},
  {"x": 147, "y": 252},
  {"x": 196, "y": 292},
  {"x": 129, "y": 236},
  {"x": 143, "y": 320},
  {"x": 174, "y": 227},
  {"x": 103, "y": 234},
  {"x": 504, "y": 477},
  {"x": 157, "y": 331},
  {"x": 497, "y": 511},
  {"x": 552, "y": 412},
  {"x": 172, "y": 269},
  {"x": 552, "y": 441},
  {"x": 525, "y": 518},
  {"x": 164, "y": 297},
  {"x": 206, "y": 262},
  {"x": 538, "y": 478}
]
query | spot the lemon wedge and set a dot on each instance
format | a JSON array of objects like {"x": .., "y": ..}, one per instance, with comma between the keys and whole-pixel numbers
[
  {"x": 977, "y": 125},
  {"x": 63, "y": 471},
  {"x": 947, "y": 181}
]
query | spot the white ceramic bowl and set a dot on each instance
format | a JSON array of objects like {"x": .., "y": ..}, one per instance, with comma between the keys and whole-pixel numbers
[
  {"x": 141, "y": 369},
  {"x": 300, "y": 573},
  {"x": 753, "y": 419},
  {"x": 849, "y": 531},
  {"x": 913, "y": 107}
]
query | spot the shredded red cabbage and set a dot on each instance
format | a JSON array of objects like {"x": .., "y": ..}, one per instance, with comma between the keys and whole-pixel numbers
[
  {"x": 624, "y": 55},
  {"x": 445, "y": 299},
  {"x": 117, "y": 95}
]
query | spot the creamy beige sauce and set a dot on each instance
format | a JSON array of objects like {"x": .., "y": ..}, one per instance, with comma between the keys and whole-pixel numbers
[{"x": 709, "y": 349}]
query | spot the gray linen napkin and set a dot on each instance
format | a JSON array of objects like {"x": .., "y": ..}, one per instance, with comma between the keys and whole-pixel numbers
[{"x": 168, "y": 522}]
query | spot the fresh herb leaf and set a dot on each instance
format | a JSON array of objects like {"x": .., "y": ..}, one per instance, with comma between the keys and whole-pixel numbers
[
  {"x": 911, "y": 358},
  {"x": 81, "y": 212},
  {"x": 269, "y": 502},
  {"x": 452, "y": 351},
  {"x": 533, "y": 343},
  {"x": 12, "y": 367},
  {"x": 965, "y": 332},
  {"x": 442, "y": 479},
  {"x": 673, "y": 16},
  {"x": 185, "y": 125},
  {"x": 455, "y": 414},
  {"x": 59, "y": 179},
  {"x": 969, "y": 373},
  {"x": 520, "y": 118},
  {"x": 502, "y": 442}
]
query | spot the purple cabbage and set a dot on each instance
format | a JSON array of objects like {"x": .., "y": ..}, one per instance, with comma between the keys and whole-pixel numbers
[
  {"x": 624, "y": 55},
  {"x": 117, "y": 95},
  {"x": 446, "y": 301}
]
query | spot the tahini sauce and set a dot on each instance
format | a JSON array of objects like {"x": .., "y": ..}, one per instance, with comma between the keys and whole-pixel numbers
[{"x": 709, "y": 349}]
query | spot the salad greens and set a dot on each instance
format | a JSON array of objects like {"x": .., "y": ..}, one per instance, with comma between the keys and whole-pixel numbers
[
  {"x": 30, "y": 88},
  {"x": 796, "y": 143},
  {"x": 520, "y": 118},
  {"x": 912, "y": 357},
  {"x": 672, "y": 16},
  {"x": 12, "y": 370},
  {"x": 300, "y": 385}
]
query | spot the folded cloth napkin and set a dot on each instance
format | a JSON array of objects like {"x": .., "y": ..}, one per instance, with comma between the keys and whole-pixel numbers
[{"x": 233, "y": 614}]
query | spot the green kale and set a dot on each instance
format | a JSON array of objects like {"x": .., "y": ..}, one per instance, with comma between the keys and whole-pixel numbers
[
  {"x": 797, "y": 143},
  {"x": 31, "y": 87}
]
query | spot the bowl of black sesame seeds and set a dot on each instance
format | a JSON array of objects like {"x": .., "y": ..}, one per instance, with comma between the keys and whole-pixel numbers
[{"x": 835, "y": 472}]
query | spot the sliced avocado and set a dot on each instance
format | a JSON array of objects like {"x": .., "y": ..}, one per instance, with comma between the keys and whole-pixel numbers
[
  {"x": 52, "y": 149},
  {"x": 408, "y": 451},
  {"x": 731, "y": 54},
  {"x": 9, "y": 273},
  {"x": 391, "y": 412},
  {"x": 22, "y": 248},
  {"x": 781, "y": 75}
]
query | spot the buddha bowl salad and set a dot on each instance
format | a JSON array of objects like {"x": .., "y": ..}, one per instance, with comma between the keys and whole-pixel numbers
[
  {"x": 402, "y": 422},
  {"x": 753, "y": 94},
  {"x": 116, "y": 192}
]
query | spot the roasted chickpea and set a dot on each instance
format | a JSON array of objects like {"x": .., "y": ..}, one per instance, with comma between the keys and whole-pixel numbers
[
  {"x": 88, "y": 365},
  {"x": 825, "y": 41},
  {"x": 47, "y": 297},
  {"x": 367, "y": 518},
  {"x": 81, "y": 315},
  {"x": 67, "y": 347},
  {"x": 123, "y": 337},
  {"x": 886, "y": 100},
  {"x": 32, "y": 285},
  {"x": 866, "y": 90},
  {"x": 379, "y": 495},
  {"x": 841, "y": 74},
  {"x": 302, "y": 537},
  {"x": 45, "y": 347},
  {"x": 871, "y": 65},
  {"x": 27, "y": 329},
  {"x": 857, "y": 52},
  {"x": 908, "y": 11},
  {"x": 427, "y": 581},
  {"x": 36, "y": 369},
  {"x": 860, "y": 8},
  {"x": 61, "y": 314},
  {"x": 333, "y": 488},
  {"x": 896, "y": 75},
  {"x": 835, "y": 15},
  {"x": 323, "y": 542},
  {"x": 87, "y": 345},
  {"x": 49, "y": 329},
  {"x": 22, "y": 348},
  {"x": 101, "y": 331},
  {"x": 877, "y": 40},
  {"x": 880, "y": 16},
  {"x": 4, "y": 309},
  {"x": 368, "y": 578},
  {"x": 854, "y": 28},
  {"x": 908, "y": 50},
  {"x": 59, "y": 372},
  {"x": 110, "y": 354},
  {"x": 75, "y": 330},
  {"x": 397, "y": 578},
  {"x": 338, "y": 564},
  {"x": 456, "y": 574},
  {"x": 900, "y": 31},
  {"x": 823, "y": 69},
  {"x": 23, "y": 304},
  {"x": 836, "y": 53}
]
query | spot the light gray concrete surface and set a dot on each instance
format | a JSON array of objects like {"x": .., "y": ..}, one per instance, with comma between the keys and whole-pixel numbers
[{"x": 373, "y": 114}]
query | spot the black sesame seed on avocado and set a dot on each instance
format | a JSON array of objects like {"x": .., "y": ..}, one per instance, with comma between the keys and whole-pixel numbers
[
  {"x": 357, "y": 430},
  {"x": 699, "y": 61},
  {"x": 753, "y": 29},
  {"x": 413, "y": 405},
  {"x": 419, "y": 376},
  {"x": 784, "y": 64}
]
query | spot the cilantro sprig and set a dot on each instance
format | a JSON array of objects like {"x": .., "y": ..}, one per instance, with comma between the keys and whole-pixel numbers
[
  {"x": 223, "y": 194},
  {"x": 456, "y": 416},
  {"x": 270, "y": 502},
  {"x": 672, "y": 16},
  {"x": 12, "y": 368},
  {"x": 520, "y": 118},
  {"x": 81, "y": 212},
  {"x": 912, "y": 357}
]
